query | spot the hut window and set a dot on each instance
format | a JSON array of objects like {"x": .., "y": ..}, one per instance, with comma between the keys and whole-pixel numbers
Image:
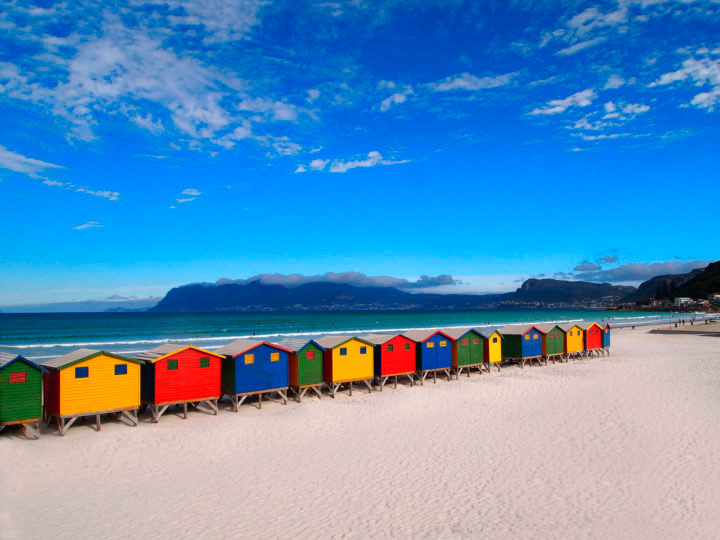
[
  {"x": 120, "y": 369},
  {"x": 494, "y": 340},
  {"x": 81, "y": 372},
  {"x": 309, "y": 355},
  {"x": 18, "y": 377},
  {"x": 249, "y": 358},
  {"x": 535, "y": 336},
  {"x": 430, "y": 344},
  {"x": 172, "y": 365},
  {"x": 274, "y": 356},
  {"x": 390, "y": 348},
  {"x": 607, "y": 331},
  {"x": 407, "y": 346},
  {"x": 464, "y": 341},
  {"x": 343, "y": 351},
  {"x": 443, "y": 343},
  {"x": 527, "y": 336},
  {"x": 363, "y": 350},
  {"x": 476, "y": 341},
  {"x": 204, "y": 362}
]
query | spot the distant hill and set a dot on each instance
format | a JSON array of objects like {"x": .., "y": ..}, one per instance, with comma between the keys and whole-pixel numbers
[
  {"x": 555, "y": 290},
  {"x": 323, "y": 296},
  {"x": 701, "y": 284},
  {"x": 671, "y": 286}
]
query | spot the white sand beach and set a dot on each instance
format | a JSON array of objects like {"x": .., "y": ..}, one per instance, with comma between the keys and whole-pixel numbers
[{"x": 618, "y": 447}]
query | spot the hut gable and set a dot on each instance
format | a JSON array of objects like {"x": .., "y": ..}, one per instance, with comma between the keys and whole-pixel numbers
[
  {"x": 346, "y": 358},
  {"x": 394, "y": 354},
  {"x": 89, "y": 381},
  {"x": 521, "y": 341},
  {"x": 252, "y": 366},
  {"x": 21, "y": 382},
  {"x": 574, "y": 338},
  {"x": 179, "y": 373},
  {"x": 304, "y": 362},
  {"x": 593, "y": 336}
]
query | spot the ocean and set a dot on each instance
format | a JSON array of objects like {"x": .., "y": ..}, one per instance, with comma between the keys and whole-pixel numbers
[{"x": 45, "y": 335}]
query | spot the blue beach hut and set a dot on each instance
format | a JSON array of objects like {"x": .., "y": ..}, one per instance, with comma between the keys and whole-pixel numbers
[
  {"x": 606, "y": 338},
  {"x": 433, "y": 352},
  {"x": 522, "y": 343},
  {"x": 251, "y": 367}
]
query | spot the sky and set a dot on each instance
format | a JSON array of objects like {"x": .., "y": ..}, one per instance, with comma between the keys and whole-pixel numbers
[{"x": 148, "y": 145}]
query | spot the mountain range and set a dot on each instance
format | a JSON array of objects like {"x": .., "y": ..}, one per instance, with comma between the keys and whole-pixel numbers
[{"x": 324, "y": 296}]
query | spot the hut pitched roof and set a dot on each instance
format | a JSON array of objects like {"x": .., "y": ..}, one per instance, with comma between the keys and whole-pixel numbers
[
  {"x": 7, "y": 358},
  {"x": 243, "y": 345},
  {"x": 330, "y": 342},
  {"x": 422, "y": 334},
  {"x": 379, "y": 339},
  {"x": 518, "y": 329},
  {"x": 79, "y": 355},
  {"x": 545, "y": 328},
  {"x": 294, "y": 344},
  {"x": 568, "y": 327},
  {"x": 458, "y": 332},
  {"x": 487, "y": 332},
  {"x": 166, "y": 349}
]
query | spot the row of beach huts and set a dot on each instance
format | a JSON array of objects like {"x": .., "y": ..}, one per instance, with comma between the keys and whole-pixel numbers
[{"x": 91, "y": 383}]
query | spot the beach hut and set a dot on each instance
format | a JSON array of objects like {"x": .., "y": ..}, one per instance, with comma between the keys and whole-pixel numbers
[
  {"x": 177, "y": 375},
  {"x": 593, "y": 338},
  {"x": 252, "y": 367},
  {"x": 21, "y": 383},
  {"x": 492, "y": 350},
  {"x": 393, "y": 356},
  {"x": 468, "y": 349},
  {"x": 553, "y": 342},
  {"x": 305, "y": 365},
  {"x": 88, "y": 382},
  {"x": 606, "y": 338},
  {"x": 433, "y": 352},
  {"x": 574, "y": 340},
  {"x": 347, "y": 360},
  {"x": 521, "y": 343}
]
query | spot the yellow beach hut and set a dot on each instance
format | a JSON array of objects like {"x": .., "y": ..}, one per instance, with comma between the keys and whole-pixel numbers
[
  {"x": 346, "y": 360},
  {"x": 87, "y": 382},
  {"x": 574, "y": 340},
  {"x": 493, "y": 347}
]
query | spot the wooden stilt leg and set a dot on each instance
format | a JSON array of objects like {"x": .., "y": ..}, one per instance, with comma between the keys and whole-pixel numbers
[
  {"x": 98, "y": 426},
  {"x": 395, "y": 385},
  {"x": 259, "y": 401},
  {"x": 351, "y": 388},
  {"x": 184, "y": 411}
]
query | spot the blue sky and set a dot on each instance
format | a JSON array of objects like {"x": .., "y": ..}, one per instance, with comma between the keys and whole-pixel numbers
[{"x": 144, "y": 146}]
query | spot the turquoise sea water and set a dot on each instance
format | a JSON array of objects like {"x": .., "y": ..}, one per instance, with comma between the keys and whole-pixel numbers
[{"x": 46, "y": 335}]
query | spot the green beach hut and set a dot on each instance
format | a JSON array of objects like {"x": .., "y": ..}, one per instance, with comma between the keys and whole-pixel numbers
[
  {"x": 21, "y": 393},
  {"x": 305, "y": 363},
  {"x": 553, "y": 345},
  {"x": 468, "y": 349}
]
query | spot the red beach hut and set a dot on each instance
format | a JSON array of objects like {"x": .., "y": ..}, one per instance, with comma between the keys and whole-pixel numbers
[
  {"x": 394, "y": 356},
  {"x": 593, "y": 338},
  {"x": 177, "y": 375}
]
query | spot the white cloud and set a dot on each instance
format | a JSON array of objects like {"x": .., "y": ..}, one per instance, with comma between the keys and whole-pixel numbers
[
  {"x": 300, "y": 169},
  {"x": 23, "y": 164},
  {"x": 191, "y": 192},
  {"x": 318, "y": 164},
  {"x": 467, "y": 81},
  {"x": 110, "y": 195},
  {"x": 396, "y": 99},
  {"x": 572, "y": 49},
  {"x": 222, "y": 20},
  {"x": 89, "y": 225},
  {"x": 579, "y": 99},
  {"x": 184, "y": 200},
  {"x": 610, "y": 107},
  {"x": 312, "y": 95},
  {"x": 635, "y": 108},
  {"x": 373, "y": 158},
  {"x": 614, "y": 81},
  {"x": 704, "y": 71}
]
